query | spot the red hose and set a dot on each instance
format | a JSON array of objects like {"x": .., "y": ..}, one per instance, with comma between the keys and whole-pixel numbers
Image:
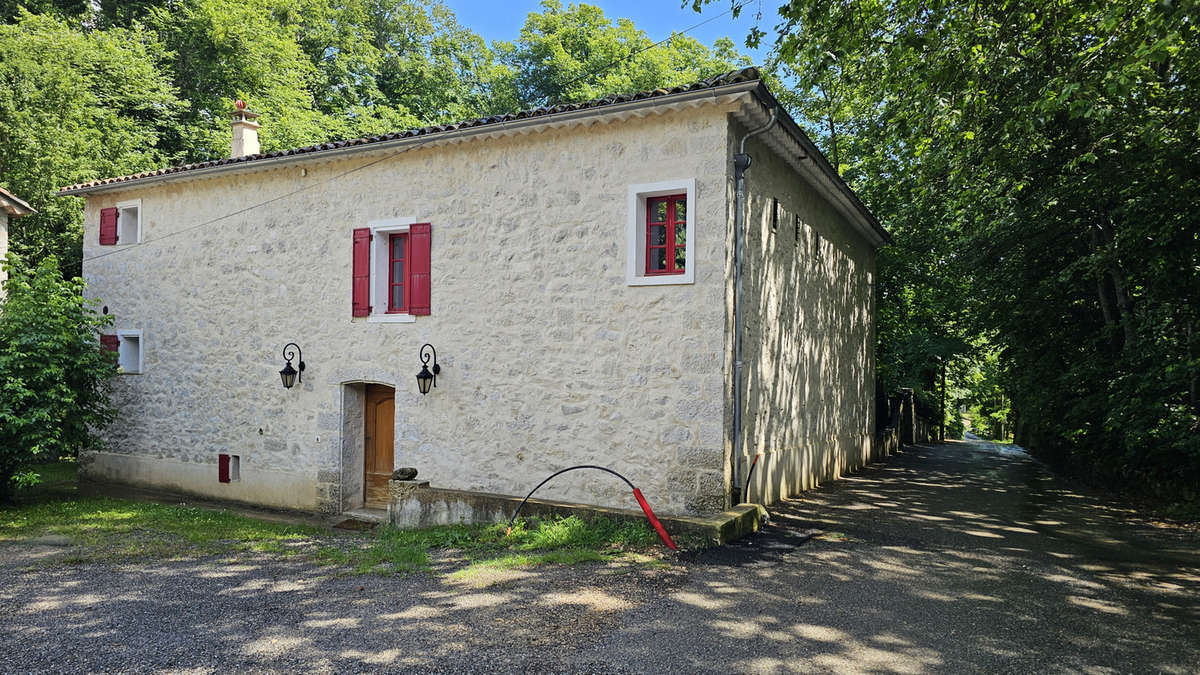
[
  {"x": 653, "y": 520},
  {"x": 662, "y": 533}
]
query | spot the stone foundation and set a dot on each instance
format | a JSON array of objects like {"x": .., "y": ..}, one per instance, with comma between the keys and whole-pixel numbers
[{"x": 413, "y": 504}]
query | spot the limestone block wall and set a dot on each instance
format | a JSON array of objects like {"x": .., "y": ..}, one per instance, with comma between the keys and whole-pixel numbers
[
  {"x": 548, "y": 358},
  {"x": 809, "y": 336}
]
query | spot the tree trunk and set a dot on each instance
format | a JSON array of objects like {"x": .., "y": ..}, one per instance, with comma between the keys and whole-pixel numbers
[
  {"x": 1103, "y": 293},
  {"x": 1110, "y": 289},
  {"x": 1117, "y": 275},
  {"x": 1194, "y": 378},
  {"x": 833, "y": 145}
]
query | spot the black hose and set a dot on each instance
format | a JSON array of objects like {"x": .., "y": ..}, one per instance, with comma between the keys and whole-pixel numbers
[
  {"x": 749, "y": 474},
  {"x": 556, "y": 473}
]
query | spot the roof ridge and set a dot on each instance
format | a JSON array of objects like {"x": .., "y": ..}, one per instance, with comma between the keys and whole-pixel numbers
[{"x": 746, "y": 74}]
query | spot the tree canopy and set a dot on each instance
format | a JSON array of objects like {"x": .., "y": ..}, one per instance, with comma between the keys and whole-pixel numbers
[
  {"x": 77, "y": 106},
  {"x": 138, "y": 84},
  {"x": 1037, "y": 164},
  {"x": 578, "y": 53}
]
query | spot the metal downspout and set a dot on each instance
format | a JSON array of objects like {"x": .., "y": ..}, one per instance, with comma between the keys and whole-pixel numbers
[{"x": 741, "y": 162}]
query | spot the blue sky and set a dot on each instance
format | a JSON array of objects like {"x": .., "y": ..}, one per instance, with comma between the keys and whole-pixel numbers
[{"x": 502, "y": 19}]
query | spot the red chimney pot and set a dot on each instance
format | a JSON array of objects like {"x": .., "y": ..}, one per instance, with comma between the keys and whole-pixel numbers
[{"x": 240, "y": 104}]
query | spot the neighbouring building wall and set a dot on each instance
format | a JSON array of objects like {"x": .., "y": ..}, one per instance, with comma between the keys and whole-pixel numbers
[
  {"x": 808, "y": 340},
  {"x": 548, "y": 357}
]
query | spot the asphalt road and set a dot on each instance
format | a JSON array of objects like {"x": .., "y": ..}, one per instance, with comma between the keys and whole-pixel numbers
[{"x": 965, "y": 557}]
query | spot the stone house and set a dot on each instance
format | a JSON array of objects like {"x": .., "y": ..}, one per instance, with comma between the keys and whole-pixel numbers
[
  {"x": 10, "y": 207},
  {"x": 574, "y": 268}
]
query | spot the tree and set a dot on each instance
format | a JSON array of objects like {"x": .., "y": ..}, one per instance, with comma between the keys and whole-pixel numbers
[
  {"x": 76, "y": 106},
  {"x": 317, "y": 70},
  {"x": 1038, "y": 163},
  {"x": 265, "y": 52},
  {"x": 54, "y": 378},
  {"x": 578, "y": 53},
  {"x": 432, "y": 66}
]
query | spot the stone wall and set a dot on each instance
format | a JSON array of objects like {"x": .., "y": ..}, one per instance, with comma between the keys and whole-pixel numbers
[
  {"x": 548, "y": 358},
  {"x": 808, "y": 344}
]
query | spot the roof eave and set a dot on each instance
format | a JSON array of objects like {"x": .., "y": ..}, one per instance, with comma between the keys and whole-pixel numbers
[
  {"x": 14, "y": 205},
  {"x": 510, "y": 126},
  {"x": 842, "y": 192}
]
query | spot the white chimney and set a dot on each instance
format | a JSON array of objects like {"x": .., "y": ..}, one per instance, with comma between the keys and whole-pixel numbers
[{"x": 245, "y": 131}]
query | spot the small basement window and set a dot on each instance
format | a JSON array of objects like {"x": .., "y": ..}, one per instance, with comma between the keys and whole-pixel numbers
[
  {"x": 660, "y": 233},
  {"x": 129, "y": 222},
  {"x": 129, "y": 351},
  {"x": 229, "y": 468}
]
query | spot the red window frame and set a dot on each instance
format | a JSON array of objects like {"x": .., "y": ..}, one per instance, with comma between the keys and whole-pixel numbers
[
  {"x": 392, "y": 280},
  {"x": 673, "y": 220}
]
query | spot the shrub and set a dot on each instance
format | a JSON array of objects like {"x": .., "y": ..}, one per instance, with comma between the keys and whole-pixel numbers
[{"x": 54, "y": 378}]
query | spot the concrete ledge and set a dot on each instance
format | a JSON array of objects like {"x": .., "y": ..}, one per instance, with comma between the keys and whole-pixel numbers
[
  {"x": 417, "y": 505},
  {"x": 726, "y": 526}
]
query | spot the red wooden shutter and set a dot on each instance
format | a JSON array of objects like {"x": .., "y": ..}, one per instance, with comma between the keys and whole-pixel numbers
[
  {"x": 110, "y": 342},
  {"x": 223, "y": 468},
  {"x": 108, "y": 226},
  {"x": 419, "y": 246},
  {"x": 361, "y": 283}
]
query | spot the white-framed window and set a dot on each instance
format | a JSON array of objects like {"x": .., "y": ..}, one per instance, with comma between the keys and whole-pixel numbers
[
  {"x": 389, "y": 292},
  {"x": 129, "y": 351},
  {"x": 660, "y": 233},
  {"x": 129, "y": 222}
]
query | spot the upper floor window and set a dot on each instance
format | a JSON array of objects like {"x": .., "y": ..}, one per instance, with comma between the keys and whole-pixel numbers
[
  {"x": 661, "y": 233},
  {"x": 666, "y": 234},
  {"x": 397, "y": 286},
  {"x": 390, "y": 279},
  {"x": 121, "y": 224}
]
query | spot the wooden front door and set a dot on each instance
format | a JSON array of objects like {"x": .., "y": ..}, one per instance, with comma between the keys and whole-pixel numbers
[{"x": 379, "y": 439}]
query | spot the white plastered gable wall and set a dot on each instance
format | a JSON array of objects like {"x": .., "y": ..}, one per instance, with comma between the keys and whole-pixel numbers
[{"x": 10, "y": 206}]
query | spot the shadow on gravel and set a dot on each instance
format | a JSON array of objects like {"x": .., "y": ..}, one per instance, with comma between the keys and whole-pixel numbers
[
  {"x": 943, "y": 558},
  {"x": 946, "y": 557},
  {"x": 284, "y": 615}
]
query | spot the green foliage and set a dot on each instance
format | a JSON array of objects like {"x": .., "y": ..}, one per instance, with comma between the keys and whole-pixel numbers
[
  {"x": 1037, "y": 162},
  {"x": 555, "y": 540},
  {"x": 54, "y": 378},
  {"x": 559, "y": 50},
  {"x": 76, "y": 106},
  {"x": 142, "y": 84},
  {"x": 105, "y": 529},
  {"x": 977, "y": 387}
]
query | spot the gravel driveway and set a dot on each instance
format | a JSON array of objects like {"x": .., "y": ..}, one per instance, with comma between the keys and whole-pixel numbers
[{"x": 951, "y": 558}]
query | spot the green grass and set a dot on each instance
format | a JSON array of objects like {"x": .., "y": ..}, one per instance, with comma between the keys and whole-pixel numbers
[
  {"x": 530, "y": 543},
  {"x": 63, "y": 473},
  {"x": 107, "y": 529},
  {"x": 101, "y": 528}
]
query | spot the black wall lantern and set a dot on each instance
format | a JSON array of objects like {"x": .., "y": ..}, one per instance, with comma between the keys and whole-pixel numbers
[
  {"x": 290, "y": 375},
  {"x": 426, "y": 378}
]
